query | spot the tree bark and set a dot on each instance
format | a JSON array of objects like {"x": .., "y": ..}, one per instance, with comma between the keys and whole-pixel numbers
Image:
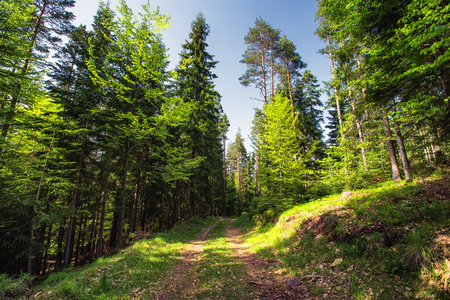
[
  {"x": 390, "y": 143},
  {"x": 401, "y": 146},
  {"x": 263, "y": 68},
  {"x": 359, "y": 127}
]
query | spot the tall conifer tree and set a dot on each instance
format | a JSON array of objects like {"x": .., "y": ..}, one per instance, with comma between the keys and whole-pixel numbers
[{"x": 196, "y": 87}]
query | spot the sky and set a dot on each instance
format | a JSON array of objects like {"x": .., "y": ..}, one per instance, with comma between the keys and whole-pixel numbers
[{"x": 230, "y": 21}]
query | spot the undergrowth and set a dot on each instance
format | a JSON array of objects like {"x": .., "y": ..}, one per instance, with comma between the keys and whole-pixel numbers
[
  {"x": 388, "y": 241},
  {"x": 133, "y": 273}
]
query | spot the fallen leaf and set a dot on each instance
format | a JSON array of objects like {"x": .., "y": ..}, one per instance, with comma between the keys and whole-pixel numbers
[{"x": 336, "y": 262}]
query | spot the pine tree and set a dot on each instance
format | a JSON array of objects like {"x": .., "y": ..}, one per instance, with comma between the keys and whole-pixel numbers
[
  {"x": 237, "y": 160},
  {"x": 223, "y": 127},
  {"x": 260, "y": 57},
  {"x": 195, "y": 86}
]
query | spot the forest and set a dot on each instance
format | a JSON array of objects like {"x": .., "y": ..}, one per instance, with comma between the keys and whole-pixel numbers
[{"x": 101, "y": 143}]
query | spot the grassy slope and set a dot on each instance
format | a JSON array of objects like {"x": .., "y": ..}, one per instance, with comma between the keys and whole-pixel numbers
[
  {"x": 133, "y": 273},
  {"x": 390, "y": 241}
]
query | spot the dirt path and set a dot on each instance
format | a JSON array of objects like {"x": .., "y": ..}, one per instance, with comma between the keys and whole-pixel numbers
[
  {"x": 254, "y": 278},
  {"x": 180, "y": 282},
  {"x": 263, "y": 274}
]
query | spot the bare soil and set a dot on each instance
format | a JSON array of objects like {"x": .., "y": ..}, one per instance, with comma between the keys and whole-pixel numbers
[
  {"x": 180, "y": 284},
  {"x": 262, "y": 276}
]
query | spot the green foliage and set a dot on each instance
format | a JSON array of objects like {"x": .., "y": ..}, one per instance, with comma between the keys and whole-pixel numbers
[
  {"x": 384, "y": 239},
  {"x": 284, "y": 171},
  {"x": 200, "y": 134}
]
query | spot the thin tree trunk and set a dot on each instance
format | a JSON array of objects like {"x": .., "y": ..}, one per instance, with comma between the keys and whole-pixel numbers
[
  {"x": 338, "y": 104},
  {"x": 272, "y": 70},
  {"x": 360, "y": 131},
  {"x": 102, "y": 216},
  {"x": 239, "y": 171},
  {"x": 16, "y": 96},
  {"x": 137, "y": 194},
  {"x": 224, "y": 213},
  {"x": 49, "y": 236},
  {"x": 290, "y": 95},
  {"x": 401, "y": 146},
  {"x": 390, "y": 143},
  {"x": 263, "y": 68},
  {"x": 121, "y": 219},
  {"x": 60, "y": 250}
]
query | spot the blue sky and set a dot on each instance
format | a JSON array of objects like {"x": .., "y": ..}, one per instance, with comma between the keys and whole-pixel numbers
[{"x": 229, "y": 21}]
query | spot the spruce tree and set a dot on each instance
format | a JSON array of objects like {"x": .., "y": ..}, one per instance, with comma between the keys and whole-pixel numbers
[{"x": 195, "y": 86}]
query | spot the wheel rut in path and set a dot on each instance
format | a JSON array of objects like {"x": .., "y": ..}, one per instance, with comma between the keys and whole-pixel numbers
[
  {"x": 259, "y": 279},
  {"x": 270, "y": 284},
  {"x": 179, "y": 282}
]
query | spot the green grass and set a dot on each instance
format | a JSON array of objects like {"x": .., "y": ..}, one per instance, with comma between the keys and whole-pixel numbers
[
  {"x": 218, "y": 273},
  {"x": 387, "y": 237},
  {"x": 133, "y": 273}
]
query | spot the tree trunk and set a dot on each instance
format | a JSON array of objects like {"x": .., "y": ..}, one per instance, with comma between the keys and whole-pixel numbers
[
  {"x": 239, "y": 171},
  {"x": 359, "y": 127},
  {"x": 263, "y": 68},
  {"x": 60, "y": 250},
  {"x": 224, "y": 213},
  {"x": 49, "y": 237},
  {"x": 137, "y": 193},
  {"x": 401, "y": 146},
  {"x": 290, "y": 94},
  {"x": 121, "y": 219},
  {"x": 338, "y": 104},
  {"x": 390, "y": 143}
]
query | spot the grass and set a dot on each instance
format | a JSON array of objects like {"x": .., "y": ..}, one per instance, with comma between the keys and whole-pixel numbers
[
  {"x": 133, "y": 273},
  {"x": 218, "y": 273},
  {"x": 388, "y": 241}
]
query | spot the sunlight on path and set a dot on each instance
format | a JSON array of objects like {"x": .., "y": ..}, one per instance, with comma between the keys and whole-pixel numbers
[{"x": 218, "y": 265}]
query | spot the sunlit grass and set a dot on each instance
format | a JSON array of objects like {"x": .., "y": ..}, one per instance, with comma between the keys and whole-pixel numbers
[
  {"x": 219, "y": 273},
  {"x": 380, "y": 243},
  {"x": 133, "y": 273}
]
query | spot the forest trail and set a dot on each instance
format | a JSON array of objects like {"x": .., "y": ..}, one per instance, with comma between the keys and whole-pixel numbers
[{"x": 219, "y": 265}]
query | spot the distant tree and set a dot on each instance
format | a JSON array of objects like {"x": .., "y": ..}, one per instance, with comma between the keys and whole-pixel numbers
[
  {"x": 224, "y": 124},
  {"x": 237, "y": 159},
  {"x": 284, "y": 171},
  {"x": 260, "y": 55}
]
